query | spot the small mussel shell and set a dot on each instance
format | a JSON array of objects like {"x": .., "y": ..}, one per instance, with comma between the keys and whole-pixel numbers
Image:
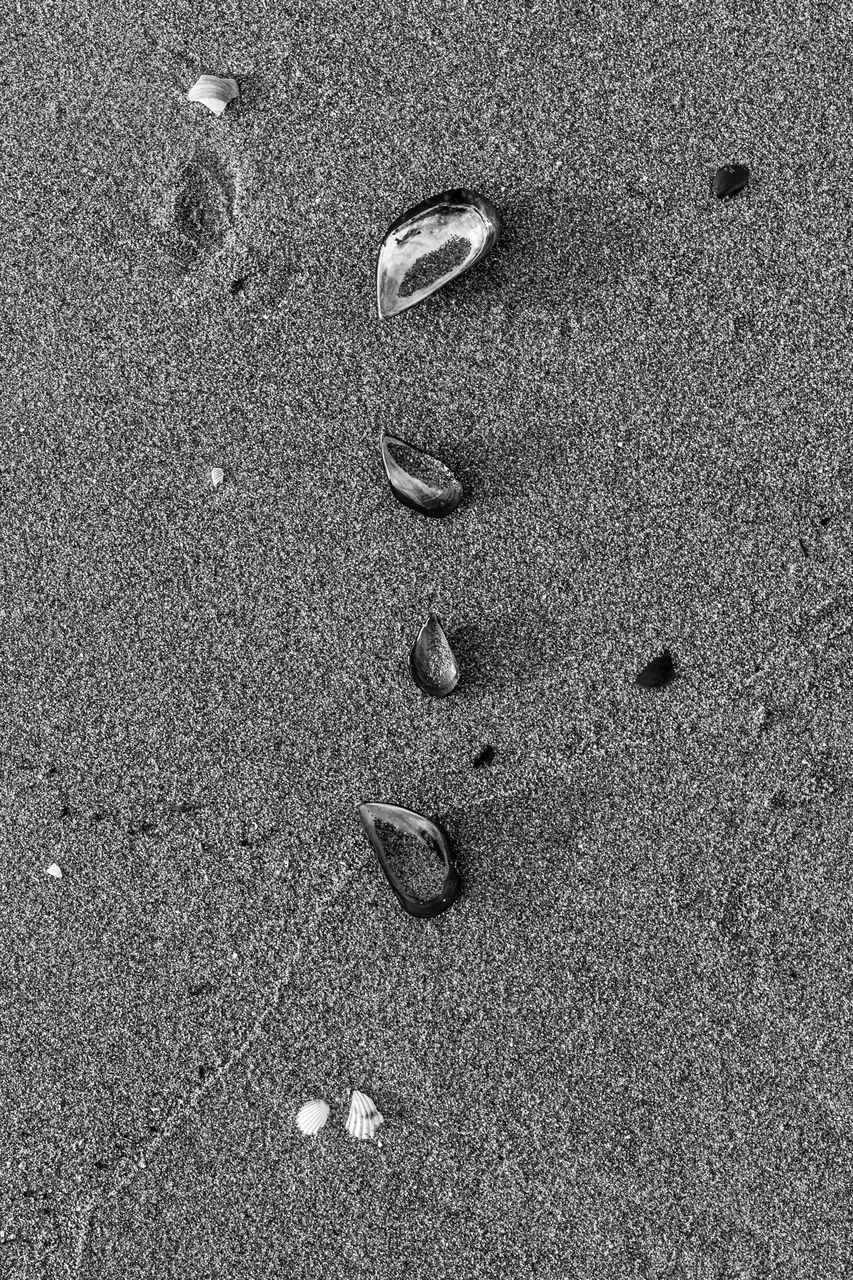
[
  {"x": 657, "y": 672},
  {"x": 729, "y": 180},
  {"x": 418, "y": 479},
  {"x": 215, "y": 92},
  {"x": 430, "y": 835},
  {"x": 431, "y": 244},
  {"x": 432, "y": 662}
]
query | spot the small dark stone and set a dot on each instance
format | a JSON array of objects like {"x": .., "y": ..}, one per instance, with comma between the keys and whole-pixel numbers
[
  {"x": 825, "y": 519},
  {"x": 729, "y": 180},
  {"x": 236, "y": 286},
  {"x": 102, "y": 1164},
  {"x": 486, "y": 756},
  {"x": 657, "y": 672}
]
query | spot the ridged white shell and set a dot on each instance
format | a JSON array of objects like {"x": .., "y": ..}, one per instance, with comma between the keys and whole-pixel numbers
[
  {"x": 215, "y": 92},
  {"x": 312, "y": 1116},
  {"x": 217, "y": 475},
  {"x": 363, "y": 1120}
]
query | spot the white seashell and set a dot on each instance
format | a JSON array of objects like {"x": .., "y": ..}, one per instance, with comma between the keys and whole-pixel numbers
[
  {"x": 53, "y": 870},
  {"x": 363, "y": 1120},
  {"x": 217, "y": 475},
  {"x": 312, "y": 1116},
  {"x": 214, "y": 92}
]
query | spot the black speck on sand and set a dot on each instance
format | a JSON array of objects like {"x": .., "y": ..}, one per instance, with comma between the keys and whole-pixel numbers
[{"x": 625, "y": 1052}]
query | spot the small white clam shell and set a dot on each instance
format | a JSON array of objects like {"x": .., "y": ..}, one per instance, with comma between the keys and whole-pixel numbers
[
  {"x": 215, "y": 92},
  {"x": 217, "y": 475},
  {"x": 363, "y": 1120},
  {"x": 54, "y": 870},
  {"x": 312, "y": 1116}
]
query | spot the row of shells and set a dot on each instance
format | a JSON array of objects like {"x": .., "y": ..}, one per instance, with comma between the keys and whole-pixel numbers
[{"x": 363, "y": 1120}]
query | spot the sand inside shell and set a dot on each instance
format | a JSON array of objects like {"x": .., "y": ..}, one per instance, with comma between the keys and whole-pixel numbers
[
  {"x": 429, "y": 471},
  {"x": 432, "y": 266},
  {"x": 418, "y": 866}
]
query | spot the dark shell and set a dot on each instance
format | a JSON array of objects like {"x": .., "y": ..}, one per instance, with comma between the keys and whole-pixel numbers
[
  {"x": 418, "y": 479},
  {"x": 431, "y": 244},
  {"x": 657, "y": 672},
  {"x": 729, "y": 180},
  {"x": 432, "y": 662},
  {"x": 428, "y": 834}
]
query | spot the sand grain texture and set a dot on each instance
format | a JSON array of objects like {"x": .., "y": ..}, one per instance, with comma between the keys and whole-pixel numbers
[{"x": 625, "y": 1051}]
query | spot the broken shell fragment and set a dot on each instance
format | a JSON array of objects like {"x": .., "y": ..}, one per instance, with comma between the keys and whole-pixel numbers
[
  {"x": 419, "y": 480},
  {"x": 431, "y": 244},
  {"x": 54, "y": 870},
  {"x": 215, "y": 92},
  {"x": 364, "y": 1119},
  {"x": 729, "y": 180},
  {"x": 432, "y": 662},
  {"x": 657, "y": 672},
  {"x": 312, "y": 1116},
  {"x": 429, "y": 834}
]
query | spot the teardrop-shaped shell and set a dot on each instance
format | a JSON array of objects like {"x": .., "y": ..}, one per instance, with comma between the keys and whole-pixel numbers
[
  {"x": 432, "y": 662},
  {"x": 431, "y": 244},
  {"x": 431, "y": 836},
  {"x": 215, "y": 92},
  {"x": 217, "y": 475},
  {"x": 364, "y": 1119},
  {"x": 312, "y": 1116},
  {"x": 418, "y": 479}
]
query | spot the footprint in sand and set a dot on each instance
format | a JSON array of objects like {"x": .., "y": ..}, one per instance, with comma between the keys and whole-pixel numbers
[{"x": 200, "y": 211}]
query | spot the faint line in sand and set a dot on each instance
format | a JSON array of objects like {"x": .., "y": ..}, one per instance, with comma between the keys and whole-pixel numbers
[{"x": 176, "y": 1118}]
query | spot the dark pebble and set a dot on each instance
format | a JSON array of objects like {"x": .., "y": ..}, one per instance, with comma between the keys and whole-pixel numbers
[
  {"x": 657, "y": 672},
  {"x": 729, "y": 180},
  {"x": 486, "y": 756}
]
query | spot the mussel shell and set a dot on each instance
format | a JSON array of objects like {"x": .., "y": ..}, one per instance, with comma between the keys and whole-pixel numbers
[
  {"x": 432, "y": 663},
  {"x": 430, "y": 835},
  {"x": 461, "y": 225},
  {"x": 729, "y": 180},
  {"x": 657, "y": 672},
  {"x": 432, "y": 500}
]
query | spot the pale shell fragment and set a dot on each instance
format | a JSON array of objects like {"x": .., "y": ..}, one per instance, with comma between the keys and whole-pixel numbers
[
  {"x": 217, "y": 475},
  {"x": 215, "y": 92},
  {"x": 53, "y": 870},
  {"x": 363, "y": 1120},
  {"x": 312, "y": 1116}
]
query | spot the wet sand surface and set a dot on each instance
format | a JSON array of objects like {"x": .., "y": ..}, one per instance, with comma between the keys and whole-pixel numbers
[{"x": 625, "y": 1051}]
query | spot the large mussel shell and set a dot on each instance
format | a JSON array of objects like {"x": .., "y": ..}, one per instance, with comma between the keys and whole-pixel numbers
[
  {"x": 418, "y": 479},
  {"x": 430, "y": 245},
  {"x": 432, "y": 661},
  {"x": 428, "y": 834}
]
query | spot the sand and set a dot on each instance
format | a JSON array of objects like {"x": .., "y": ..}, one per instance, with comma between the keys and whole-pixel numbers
[{"x": 625, "y": 1051}]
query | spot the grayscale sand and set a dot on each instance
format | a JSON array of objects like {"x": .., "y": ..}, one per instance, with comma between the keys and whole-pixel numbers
[{"x": 625, "y": 1052}]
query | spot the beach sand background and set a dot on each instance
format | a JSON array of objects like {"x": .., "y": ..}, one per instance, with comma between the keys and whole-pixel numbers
[{"x": 626, "y": 1051}]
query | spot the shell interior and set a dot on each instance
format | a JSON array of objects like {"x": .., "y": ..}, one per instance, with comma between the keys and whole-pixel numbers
[
  {"x": 428, "y": 835},
  {"x": 418, "y": 479},
  {"x": 431, "y": 245}
]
